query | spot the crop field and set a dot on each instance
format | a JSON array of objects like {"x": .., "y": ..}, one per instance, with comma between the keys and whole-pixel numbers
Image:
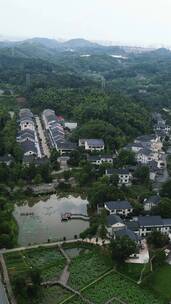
[
  {"x": 49, "y": 261},
  {"x": 90, "y": 272},
  {"x": 115, "y": 285},
  {"x": 53, "y": 295},
  {"x": 159, "y": 282},
  {"x": 85, "y": 268}
]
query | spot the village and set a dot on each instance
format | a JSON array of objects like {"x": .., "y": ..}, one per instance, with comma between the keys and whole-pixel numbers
[
  {"x": 38, "y": 135},
  {"x": 38, "y": 138}
]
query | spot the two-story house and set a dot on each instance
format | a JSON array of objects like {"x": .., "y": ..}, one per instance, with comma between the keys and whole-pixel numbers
[{"x": 119, "y": 207}]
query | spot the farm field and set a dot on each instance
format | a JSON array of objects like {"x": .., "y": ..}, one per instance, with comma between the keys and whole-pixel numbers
[
  {"x": 53, "y": 295},
  {"x": 160, "y": 282},
  {"x": 90, "y": 272},
  {"x": 115, "y": 285},
  {"x": 49, "y": 261},
  {"x": 85, "y": 268}
]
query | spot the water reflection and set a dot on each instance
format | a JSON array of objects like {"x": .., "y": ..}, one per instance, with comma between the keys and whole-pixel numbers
[{"x": 44, "y": 221}]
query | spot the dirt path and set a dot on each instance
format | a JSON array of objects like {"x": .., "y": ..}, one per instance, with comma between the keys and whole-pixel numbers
[{"x": 65, "y": 274}]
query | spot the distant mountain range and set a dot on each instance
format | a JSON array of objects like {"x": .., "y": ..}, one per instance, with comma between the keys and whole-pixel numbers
[{"x": 45, "y": 48}]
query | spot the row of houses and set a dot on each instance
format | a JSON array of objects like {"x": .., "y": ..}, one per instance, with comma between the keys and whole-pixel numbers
[
  {"x": 56, "y": 132},
  {"x": 119, "y": 222},
  {"x": 27, "y": 135}
]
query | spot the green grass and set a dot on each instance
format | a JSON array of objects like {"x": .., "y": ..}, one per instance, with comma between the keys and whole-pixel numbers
[
  {"x": 115, "y": 285},
  {"x": 85, "y": 268},
  {"x": 160, "y": 282}
]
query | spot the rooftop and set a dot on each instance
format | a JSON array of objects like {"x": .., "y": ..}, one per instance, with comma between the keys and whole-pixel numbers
[
  {"x": 28, "y": 146},
  {"x": 113, "y": 219},
  {"x": 146, "y": 137},
  {"x": 145, "y": 151},
  {"x": 112, "y": 205},
  {"x": 95, "y": 142},
  {"x": 150, "y": 221},
  {"x": 66, "y": 145},
  {"x": 154, "y": 199},
  {"x": 129, "y": 233}
]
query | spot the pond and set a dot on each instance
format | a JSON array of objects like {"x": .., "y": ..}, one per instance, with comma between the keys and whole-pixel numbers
[{"x": 44, "y": 220}]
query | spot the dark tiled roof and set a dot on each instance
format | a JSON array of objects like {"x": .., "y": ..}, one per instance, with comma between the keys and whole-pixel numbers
[
  {"x": 113, "y": 219},
  {"x": 31, "y": 159},
  {"x": 26, "y": 131},
  {"x": 98, "y": 157},
  {"x": 118, "y": 205},
  {"x": 167, "y": 222},
  {"x": 121, "y": 171},
  {"x": 132, "y": 225},
  {"x": 95, "y": 142},
  {"x": 67, "y": 145},
  {"x": 146, "y": 137},
  {"x": 150, "y": 221},
  {"x": 93, "y": 158},
  {"x": 145, "y": 151},
  {"x": 28, "y": 146},
  {"x": 128, "y": 233},
  {"x": 154, "y": 199}
]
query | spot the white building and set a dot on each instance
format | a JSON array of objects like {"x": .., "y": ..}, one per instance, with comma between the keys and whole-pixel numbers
[
  {"x": 100, "y": 159},
  {"x": 151, "y": 202},
  {"x": 92, "y": 144},
  {"x": 147, "y": 224},
  {"x": 114, "y": 223},
  {"x": 124, "y": 175},
  {"x": 119, "y": 207}
]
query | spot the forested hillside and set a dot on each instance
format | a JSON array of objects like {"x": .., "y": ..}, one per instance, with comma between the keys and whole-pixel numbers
[
  {"x": 111, "y": 116},
  {"x": 109, "y": 91},
  {"x": 141, "y": 74}
]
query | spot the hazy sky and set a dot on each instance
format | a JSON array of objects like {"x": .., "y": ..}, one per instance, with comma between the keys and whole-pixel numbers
[{"x": 131, "y": 21}]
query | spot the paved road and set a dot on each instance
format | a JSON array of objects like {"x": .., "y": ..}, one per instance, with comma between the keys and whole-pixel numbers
[
  {"x": 3, "y": 296},
  {"x": 45, "y": 147},
  {"x": 92, "y": 241}
]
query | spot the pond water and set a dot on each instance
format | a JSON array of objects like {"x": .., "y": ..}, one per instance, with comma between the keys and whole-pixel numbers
[{"x": 44, "y": 221}]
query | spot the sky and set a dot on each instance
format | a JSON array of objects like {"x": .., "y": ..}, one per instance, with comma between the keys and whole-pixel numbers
[{"x": 143, "y": 22}]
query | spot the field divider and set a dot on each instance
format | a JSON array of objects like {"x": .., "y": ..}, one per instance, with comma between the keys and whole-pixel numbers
[
  {"x": 84, "y": 288},
  {"x": 98, "y": 279}
]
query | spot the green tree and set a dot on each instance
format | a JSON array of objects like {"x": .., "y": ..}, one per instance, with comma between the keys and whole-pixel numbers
[
  {"x": 122, "y": 248},
  {"x": 142, "y": 175},
  {"x": 126, "y": 157},
  {"x": 166, "y": 189},
  {"x": 157, "y": 239}
]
